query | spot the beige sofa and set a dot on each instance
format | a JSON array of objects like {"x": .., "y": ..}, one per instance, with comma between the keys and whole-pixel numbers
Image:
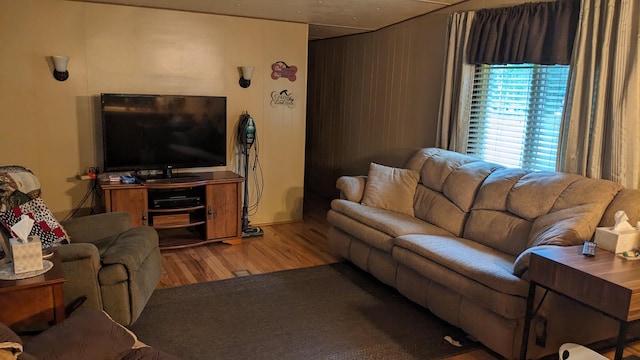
[{"x": 453, "y": 233}]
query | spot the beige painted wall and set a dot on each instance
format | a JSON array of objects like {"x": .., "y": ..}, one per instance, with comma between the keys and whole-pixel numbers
[{"x": 53, "y": 127}]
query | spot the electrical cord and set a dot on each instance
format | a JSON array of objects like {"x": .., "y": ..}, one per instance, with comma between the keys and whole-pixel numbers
[
  {"x": 258, "y": 179},
  {"x": 91, "y": 191}
]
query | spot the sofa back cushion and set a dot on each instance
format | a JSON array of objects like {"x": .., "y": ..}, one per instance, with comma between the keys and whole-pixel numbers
[
  {"x": 627, "y": 200},
  {"x": 516, "y": 209},
  {"x": 448, "y": 186},
  {"x": 508, "y": 209}
]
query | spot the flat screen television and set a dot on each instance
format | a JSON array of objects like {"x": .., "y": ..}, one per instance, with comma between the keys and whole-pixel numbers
[{"x": 163, "y": 132}]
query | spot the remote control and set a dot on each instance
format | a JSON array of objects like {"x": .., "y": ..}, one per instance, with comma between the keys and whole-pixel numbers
[{"x": 589, "y": 248}]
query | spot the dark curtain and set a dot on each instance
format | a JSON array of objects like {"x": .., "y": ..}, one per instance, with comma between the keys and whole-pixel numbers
[{"x": 537, "y": 33}]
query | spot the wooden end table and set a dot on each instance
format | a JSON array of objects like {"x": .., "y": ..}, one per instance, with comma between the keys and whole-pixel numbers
[
  {"x": 33, "y": 300},
  {"x": 604, "y": 282}
]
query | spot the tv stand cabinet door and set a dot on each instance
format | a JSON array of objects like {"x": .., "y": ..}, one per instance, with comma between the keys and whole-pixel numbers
[
  {"x": 132, "y": 200},
  {"x": 223, "y": 211}
]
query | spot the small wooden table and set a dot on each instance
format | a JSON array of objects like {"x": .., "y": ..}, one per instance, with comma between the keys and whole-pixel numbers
[
  {"x": 605, "y": 282},
  {"x": 33, "y": 300}
]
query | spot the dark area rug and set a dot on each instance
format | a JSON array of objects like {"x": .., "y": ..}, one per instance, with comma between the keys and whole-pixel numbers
[{"x": 326, "y": 312}]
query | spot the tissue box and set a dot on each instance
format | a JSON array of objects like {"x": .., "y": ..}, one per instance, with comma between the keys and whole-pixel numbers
[
  {"x": 26, "y": 256},
  {"x": 617, "y": 241}
]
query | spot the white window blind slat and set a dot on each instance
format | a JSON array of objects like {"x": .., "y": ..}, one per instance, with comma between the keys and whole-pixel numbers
[{"x": 515, "y": 114}]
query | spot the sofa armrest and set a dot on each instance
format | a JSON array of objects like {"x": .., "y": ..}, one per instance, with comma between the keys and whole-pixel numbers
[
  {"x": 96, "y": 227},
  {"x": 131, "y": 248},
  {"x": 351, "y": 187},
  {"x": 521, "y": 264},
  {"x": 81, "y": 264}
]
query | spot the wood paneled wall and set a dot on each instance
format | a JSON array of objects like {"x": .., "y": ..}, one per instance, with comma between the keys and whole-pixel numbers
[
  {"x": 376, "y": 96},
  {"x": 372, "y": 97}
]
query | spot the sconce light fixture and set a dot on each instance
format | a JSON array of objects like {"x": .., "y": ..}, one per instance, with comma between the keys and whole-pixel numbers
[
  {"x": 60, "y": 67},
  {"x": 245, "y": 78}
]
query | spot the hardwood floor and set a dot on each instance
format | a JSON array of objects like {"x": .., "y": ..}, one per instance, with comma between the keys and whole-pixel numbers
[{"x": 283, "y": 247}]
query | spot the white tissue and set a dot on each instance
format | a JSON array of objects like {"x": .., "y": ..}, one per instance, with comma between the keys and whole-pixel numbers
[
  {"x": 22, "y": 228},
  {"x": 622, "y": 221}
]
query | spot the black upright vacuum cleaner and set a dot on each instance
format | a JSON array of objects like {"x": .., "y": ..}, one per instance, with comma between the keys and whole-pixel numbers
[{"x": 246, "y": 138}]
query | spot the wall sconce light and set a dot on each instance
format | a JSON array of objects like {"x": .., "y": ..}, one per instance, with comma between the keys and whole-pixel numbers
[
  {"x": 60, "y": 67},
  {"x": 245, "y": 77}
]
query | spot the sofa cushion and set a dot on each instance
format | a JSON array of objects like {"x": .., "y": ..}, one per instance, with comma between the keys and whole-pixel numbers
[
  {"x": 437, "y": 168},
  {"x": 377, "y": 227},
  {"x": 435, "y": 208},
  {"x": 536, "y": 193},
  {"x": 627, "y": 200},
  {"x": 478, "y": 273},
  {"x": 463, "y": 184},
  {"x": 495, "y": 189},
  {"x": 499, "y": 230},
  {"x": 588, "y": 191},
  {"x": 390, "y": 188},
  {"x": 475, "y": 261},
  {"x": 571, "y": 226}
]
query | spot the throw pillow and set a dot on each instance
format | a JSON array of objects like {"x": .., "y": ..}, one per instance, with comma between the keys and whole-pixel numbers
[
  {"x": 390, "y": 188},
  {"x": 10, "y": 343},
  {"x": 86, "y": 334},
  {"x": 45, "y": 225}
]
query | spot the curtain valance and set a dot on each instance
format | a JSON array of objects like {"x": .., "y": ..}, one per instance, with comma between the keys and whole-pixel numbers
[{"x": 537, "y": 33}]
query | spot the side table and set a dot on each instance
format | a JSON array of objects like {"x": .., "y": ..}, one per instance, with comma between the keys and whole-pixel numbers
[
  {"x": 33, "y": 300},
  {"x": 605, "y": 282}
]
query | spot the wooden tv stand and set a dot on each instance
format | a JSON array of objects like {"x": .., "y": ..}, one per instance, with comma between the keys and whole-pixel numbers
[{"x": 207, "y": 202}]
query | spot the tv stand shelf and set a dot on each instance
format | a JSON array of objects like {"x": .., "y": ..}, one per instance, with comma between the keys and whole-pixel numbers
[{"x": 206, "y": 206}]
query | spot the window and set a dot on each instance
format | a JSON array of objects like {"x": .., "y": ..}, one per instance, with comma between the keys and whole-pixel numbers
[{"x": 515, "y": 114}]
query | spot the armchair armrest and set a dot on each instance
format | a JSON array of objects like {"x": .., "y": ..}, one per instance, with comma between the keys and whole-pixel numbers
[
  {"x": 351, "y": 187},
  {"x": 81, "y": 264},
  {"x": 73, "y": 252},
  {"x": 131, "y": 248},
  {"x": 92, "y": 228}
]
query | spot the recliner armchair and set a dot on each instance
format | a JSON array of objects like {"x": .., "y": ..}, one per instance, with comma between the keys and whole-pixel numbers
[{"x": 116, "y": 266}]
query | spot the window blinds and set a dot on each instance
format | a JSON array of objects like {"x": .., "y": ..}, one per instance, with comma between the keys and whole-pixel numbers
[{"x": 516, "y": 111}]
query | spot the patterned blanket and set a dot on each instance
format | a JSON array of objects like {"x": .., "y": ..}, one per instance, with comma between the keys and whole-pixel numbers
[
  {"x": 20, "y": 195},
  {"x": 18, "y": 185}
]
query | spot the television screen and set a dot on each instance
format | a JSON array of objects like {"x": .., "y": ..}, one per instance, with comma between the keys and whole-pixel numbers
[{"x": 145, "y": 132}]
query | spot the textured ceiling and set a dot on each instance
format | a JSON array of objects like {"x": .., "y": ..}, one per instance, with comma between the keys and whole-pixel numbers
[{"x": 326, "y": 18}]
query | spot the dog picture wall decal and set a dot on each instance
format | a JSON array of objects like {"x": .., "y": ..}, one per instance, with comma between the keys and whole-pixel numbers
[{"x": 282, "y": 70}]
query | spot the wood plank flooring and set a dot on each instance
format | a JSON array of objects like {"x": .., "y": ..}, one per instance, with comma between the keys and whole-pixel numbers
[{"x": 283, "y": 247}]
